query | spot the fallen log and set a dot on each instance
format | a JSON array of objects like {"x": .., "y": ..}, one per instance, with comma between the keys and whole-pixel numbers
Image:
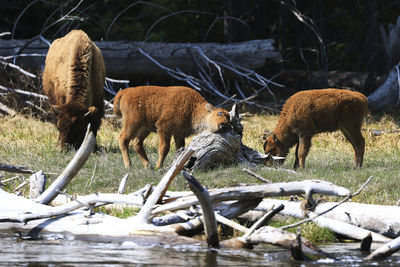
[
  {"x": 387, "y": 97},
  {"x": 123, "y": 59},
  {"x": 210, "y": 223},
  {"x": 71, "y": 170},
  {"x": 385, "y": 250},
  {"x": 379, "y": 219},
  {"x": 260, "y": 191}
]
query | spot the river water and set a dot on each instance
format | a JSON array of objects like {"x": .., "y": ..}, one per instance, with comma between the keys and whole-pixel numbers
[{"x": 62, "y": 252}]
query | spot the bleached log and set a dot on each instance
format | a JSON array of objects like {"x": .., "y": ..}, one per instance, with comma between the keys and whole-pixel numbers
[
  {"x": 287, "y": 240},
  {"x": 7, "y": 110},
  {"x": 162, "y": 187},
  {"x": 263, "y": 220},
  {"x": 385, "y": 250},
  {"x": 260, "y": 191},
  {"x": 37, "y": 183},
  {"x": 23, "y": 210},
  {"x": 348, "y": 230},
  {"x": 380, "y": 219},
  {"x": 232, "y": 224},
  {"x": 70, "y": 171},
  {"x": 122, "y": 185},
  {"x": 227, "y": 210},
  {"x": 210, "y": 223}
]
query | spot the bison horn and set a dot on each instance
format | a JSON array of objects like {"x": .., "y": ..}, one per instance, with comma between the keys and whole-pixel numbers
[{"x": 91, "y": 110}]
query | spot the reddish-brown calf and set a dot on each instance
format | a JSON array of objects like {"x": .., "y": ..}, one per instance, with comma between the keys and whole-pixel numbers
[
  {"x": 311, "y": 112},
  {"x": 73, "y": 80},
  {"x": 170, "y": 111}
]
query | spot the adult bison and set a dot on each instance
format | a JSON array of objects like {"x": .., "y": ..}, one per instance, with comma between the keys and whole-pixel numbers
[
  {"x": 311, "y": 112},
  {"x": 73, "y": 80},
  {"x": 170, "y": 111}
]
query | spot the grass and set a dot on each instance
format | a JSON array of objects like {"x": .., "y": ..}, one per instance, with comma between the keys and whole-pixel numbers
[{"x": 33, "y": 143}]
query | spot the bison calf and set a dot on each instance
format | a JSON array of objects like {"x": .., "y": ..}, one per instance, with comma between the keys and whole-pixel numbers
[
  {"x": 73, "y": 80},
  {"x": 311, "y": 112},
  {"x": 170, "y": 111}
]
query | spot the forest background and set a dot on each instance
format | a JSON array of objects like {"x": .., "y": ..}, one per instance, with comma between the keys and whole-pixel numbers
[{"x": 337, "y": 35}]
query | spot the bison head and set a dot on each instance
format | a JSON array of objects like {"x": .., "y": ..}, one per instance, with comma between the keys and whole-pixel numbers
[
  {"x": 217, "y": 119},
  {"x": 274, "y": 148},
  {"x": 72, "y": 122}
]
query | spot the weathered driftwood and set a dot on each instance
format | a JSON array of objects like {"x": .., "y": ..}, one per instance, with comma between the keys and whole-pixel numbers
[
  {"x": 387, "y": 97},
  {"x": 382, "y": 221},
  {"x": 122, "y": 185},
  {"x": 210, "y": 223},
  {"x": 309, "y": 187},
  {"x": 7, "y": 110},
  {"x": 385, "y": 250},
  {"x": 162, "y": 187},
  {"x": 221, "y": 149},
  {"x": 124, "y": 60},
  {"x": 71, "y": 170},
  {"x": 37, "y": 183},
  {"x": 287, "y": 240},
  {"x": 226, "y": 210}
]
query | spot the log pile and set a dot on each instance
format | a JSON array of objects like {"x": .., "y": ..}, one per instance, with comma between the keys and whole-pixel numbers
[{"x": 185, "y": 213}]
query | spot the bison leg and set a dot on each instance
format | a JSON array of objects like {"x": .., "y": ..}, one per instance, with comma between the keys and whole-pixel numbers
[
  {"x": 304, "y": 147},
  {"x": 163, "y": 147},
  {"x": 138, "y": 145},
  {"x": 179, "y": 142},
  {"x": 296, "y": 155},
  {"x": 124, "y": 140},
  {"x": 354, "y": 136}
]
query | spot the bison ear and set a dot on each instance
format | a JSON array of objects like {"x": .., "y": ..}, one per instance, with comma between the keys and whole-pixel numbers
[
  {"x": 275, "y": 137},
  {"x": 209, "y": 107},
  {"x": 91, "y": 110}
]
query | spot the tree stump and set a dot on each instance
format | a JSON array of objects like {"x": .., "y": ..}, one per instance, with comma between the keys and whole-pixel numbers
[{"x": 221, "y": 149}]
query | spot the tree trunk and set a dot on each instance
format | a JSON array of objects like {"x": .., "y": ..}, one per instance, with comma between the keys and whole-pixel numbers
[{"x": 386, "y": 97}]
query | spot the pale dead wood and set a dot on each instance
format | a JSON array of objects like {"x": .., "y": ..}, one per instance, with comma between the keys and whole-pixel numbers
[
  {"x": 71, "y": 170},
  {"x": 260, "y": 191},
  {"x": 160, "y": 190},
  {"x": 385, "y": 250},
  {"x": 348, "y": 230},
  {"x": 350, "y": 196},
  {"x": 7, "y": 110},
  {"x": 37, "y": 183},
  {"x": 262, "y": 179},
  {"x": 380, "y": 219},
  {"x": 232, "y": 224},
  {"x": 287, "y": 240},
  {"x": 263, "y": 220},
  {"x": 210, "y": 223},
  {"x": 20, "y": 212},
  {"x": 226, "y": 210},
  {"x": 122, "y": 185}
]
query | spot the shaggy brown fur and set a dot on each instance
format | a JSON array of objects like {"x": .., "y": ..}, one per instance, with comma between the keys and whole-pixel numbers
[
  {"x": 170, "y": 111},
  {"x": 311, "y": 112},
  {"x": 73, "y": 80}
]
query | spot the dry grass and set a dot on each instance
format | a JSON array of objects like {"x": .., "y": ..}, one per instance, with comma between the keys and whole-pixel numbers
[{"x": 33, "y": 143}]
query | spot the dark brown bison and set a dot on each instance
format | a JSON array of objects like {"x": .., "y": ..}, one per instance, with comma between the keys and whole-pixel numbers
[
  {"x": 311, "y": 112},
  {"x": 170, "y": 111},
  {"x": 73, "y": 80}
]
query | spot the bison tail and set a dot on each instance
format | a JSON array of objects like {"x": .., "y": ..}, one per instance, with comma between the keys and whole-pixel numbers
[{"x": 117, "y": 99}]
